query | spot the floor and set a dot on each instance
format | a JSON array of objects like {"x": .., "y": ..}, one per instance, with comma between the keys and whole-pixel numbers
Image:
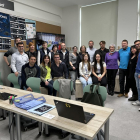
[{"x": 124, "y": 123}]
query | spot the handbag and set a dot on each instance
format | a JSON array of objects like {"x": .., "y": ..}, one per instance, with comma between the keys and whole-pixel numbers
[{"x": 93, "y": 97}]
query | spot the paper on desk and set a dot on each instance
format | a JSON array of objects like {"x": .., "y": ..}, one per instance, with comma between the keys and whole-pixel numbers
[{"x": 49, "y": 116}]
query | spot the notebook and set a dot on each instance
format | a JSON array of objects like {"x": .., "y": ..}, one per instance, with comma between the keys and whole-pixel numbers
[{"x": 41, "y": 109}]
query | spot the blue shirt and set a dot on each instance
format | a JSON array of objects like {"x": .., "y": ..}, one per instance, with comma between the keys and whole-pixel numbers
[
  {"x": 138, "y": 65},
  {"x": 124, "y": 56}
]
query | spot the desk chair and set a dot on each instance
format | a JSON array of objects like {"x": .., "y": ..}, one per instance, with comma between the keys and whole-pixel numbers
[
  {"x": 34, "y": 84},
  {"x": 103, "y": 92},
  {"x": 14, "y": 80}
]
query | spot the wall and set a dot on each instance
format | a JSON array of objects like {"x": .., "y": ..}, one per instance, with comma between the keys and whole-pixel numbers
[
  {"x": 127, "y": 21},
  {"x": 38, "y": 10},
  {"x": 71, "y": 25}
]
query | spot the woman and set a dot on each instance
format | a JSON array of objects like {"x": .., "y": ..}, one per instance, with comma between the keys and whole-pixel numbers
[
  {"x": 111, "y": 60},
  {"x": 73, "y": 66},
  {"x": 46, "y": 79},
  {"x": 43, "y": 51},
  {"x": 80, "y": 57},
  {"x": 85, "y": 71},
  {"x": 54, "y": 50},
  {"x": 130, "y": 79},
  {"x": 99, "y": 71}
]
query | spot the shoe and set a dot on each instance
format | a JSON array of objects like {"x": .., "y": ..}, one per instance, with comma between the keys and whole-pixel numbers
[
  {"x": 126, "y": 95},
  {"x": 133, "y": 98},
  {"x": 109, "y": 92},
  {"x": 120, "y": 95},
  {"x": 112, "y": 93},
  {"x": 136, "y": 103},
  {"x": 139, "y": 109}
]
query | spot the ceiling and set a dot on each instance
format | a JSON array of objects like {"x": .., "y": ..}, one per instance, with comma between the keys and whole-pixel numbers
[{"x": 66, "y": 3}]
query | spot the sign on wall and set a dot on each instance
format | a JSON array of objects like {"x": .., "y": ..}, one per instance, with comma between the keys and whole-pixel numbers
[{"x": 7, "y": 4}]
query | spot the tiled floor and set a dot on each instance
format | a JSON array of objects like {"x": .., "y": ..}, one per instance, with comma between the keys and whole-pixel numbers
[{"x": 124, "y": 123}]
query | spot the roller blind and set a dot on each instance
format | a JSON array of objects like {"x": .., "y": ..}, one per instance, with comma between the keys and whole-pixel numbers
[{"x": 99, "y": 22}]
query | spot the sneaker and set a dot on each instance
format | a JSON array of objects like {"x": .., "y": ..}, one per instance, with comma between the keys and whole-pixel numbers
[
  {"x": 136, "y": 103},
  {"x": 120, "y": 95},
  {"x": 126, "y": 95}
]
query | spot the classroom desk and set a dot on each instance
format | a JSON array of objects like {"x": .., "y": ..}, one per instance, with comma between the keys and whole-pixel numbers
[{"x": 88, "y": 131}]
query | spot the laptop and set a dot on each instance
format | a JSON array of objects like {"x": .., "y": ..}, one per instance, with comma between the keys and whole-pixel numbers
[{"x": 73, "y": 112}]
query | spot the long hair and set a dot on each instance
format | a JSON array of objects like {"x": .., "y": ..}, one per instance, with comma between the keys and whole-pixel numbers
[
  {"x": 134, "y": 47},
  {"x": 43, "y": 62},
  {"x": 101, "y": 64},
  {"x": 83, "y": 61}
]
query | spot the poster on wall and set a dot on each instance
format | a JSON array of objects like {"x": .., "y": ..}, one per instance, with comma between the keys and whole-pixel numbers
[
  {"x": 5, "y": 25},
  {"x": 51, "y": 39},
  {"x": 30, "y": 28}
]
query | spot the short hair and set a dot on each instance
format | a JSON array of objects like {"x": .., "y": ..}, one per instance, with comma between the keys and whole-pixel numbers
[
  {"x": 31, "y": 44},
  {"x": 125, "y": 41},
  {"x": 19, "y": 43},
  {"x": 54, "y": 46},
  {"x": 31, "y": 56},
  {"x": 136, "y": 41},
  {"x": 83, "y": 46},
  {"x": 63, "y": 43},
  {"x": 44, "y": 42},
  {"x": 56, "y": 54},
  {"x": 90, "y": 41},
  {"x": 103, "y": 42},
  {"x": 16, "y": 39},
  {"x": 74, "y": 47},
  {"x": 112, "y": 45}
]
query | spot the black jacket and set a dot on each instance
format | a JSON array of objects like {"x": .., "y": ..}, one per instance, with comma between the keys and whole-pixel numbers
[
  {"x": 102, "y": 53},
  {"x": 66, "y": 58},
  {"x": 52, "y": 57},
  {"x": 30, "y": 53}
]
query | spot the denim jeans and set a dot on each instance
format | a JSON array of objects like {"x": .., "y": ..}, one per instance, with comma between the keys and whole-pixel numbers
[
  {"x": 84, "y": 82},
  {"x": 19, "y": 81},
  {"x": 73, "y": 75},
  {"x": 138, "y": 84}
]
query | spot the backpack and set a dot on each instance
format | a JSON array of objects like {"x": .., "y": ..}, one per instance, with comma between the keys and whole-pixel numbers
[{"x": 93, "y": 97}]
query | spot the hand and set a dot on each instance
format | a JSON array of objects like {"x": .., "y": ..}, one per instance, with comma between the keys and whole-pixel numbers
[
  {"x": 73, "y": 68},
  {"x": 86, "y": 78},
  {"x": 46, "y": 83},
  {"x": 139, "y": 76},
  {"x": 99, "y": 78},
  {"x": 60, "y": 61},
  {"x": 29, "y": 89},
  {"x": 16, "y": 74},
  {"x": 9, "y": 66}
]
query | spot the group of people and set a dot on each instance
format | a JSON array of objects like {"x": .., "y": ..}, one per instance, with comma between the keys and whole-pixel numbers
[{"x": 90, "y": 65}]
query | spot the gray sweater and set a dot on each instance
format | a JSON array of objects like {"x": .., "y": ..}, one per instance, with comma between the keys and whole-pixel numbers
[{"x": 72, "y": 58}]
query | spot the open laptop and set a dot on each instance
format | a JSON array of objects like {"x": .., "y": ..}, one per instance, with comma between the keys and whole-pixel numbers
[{"x": 73, "y": 112}]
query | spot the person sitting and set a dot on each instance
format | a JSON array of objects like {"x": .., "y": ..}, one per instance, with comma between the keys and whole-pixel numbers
[
  {"x": 46, "y": 79},
  {"x": 85, "y": 71},
  {"x": 29, "y": 70},
  {"x": 99, "y": 71},
  {"x": 58, "y": 68},
  {"x": 54, "y": 50},
  {"x": 31, "y": 50},
  {"x": 43, "y": 51}
]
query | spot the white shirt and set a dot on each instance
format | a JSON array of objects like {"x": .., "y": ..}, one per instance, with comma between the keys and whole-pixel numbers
[
  {"x": 84, "y": 71},
  {"x": 91, "y": 53},
  {"x": 99, "y": 67},
  {"x": 18, "y": 60}
]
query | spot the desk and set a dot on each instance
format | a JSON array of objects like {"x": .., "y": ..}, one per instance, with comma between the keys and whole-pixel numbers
[{"x": 87, "y": 131}]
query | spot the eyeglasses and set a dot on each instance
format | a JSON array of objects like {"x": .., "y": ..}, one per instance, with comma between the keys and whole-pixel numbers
[
  {"x": 20, "y": 46},
  {"x": 56, "y": 57}
]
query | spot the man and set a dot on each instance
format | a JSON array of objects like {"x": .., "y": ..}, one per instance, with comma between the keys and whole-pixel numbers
[
  {"x": 102, "y": 51},
  {"x": 10, "y": 52},
  {"x": 137, "y": 74},
  {"x": 18, "y": 59},
  {"x": 64, "y": 55},
  {"x": 29, "y": 70},
  {"x": 91, "y": 50},
  {"x": 124, "y": 56},
  {"x": 58, "y": 69},
  {"x": 31, "y": 50}
]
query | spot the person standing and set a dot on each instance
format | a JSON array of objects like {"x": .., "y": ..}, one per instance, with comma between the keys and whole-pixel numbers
[
  {"x": 73, "y": 65},
  {"x": 124, "y": 56},
  {"x": 29, "y": 70},
  {"x": 46, "y": 78},
  {"x": 91, "y": 50},
  {"x": 130, "y": 79},
  {"x": 99, "y": 71},
  {"x": 64, "y": 56},
  {"x": 111, "y": 60},
  {"x": 137, "y": 74},
  {"x": 11, "y": 51},
  {"x": 85, "y": 71},
  {"x": 19, "y": 59},
  {"x": 102, "y": 51},
  {"x": 54, "y": 50},
  {"x": 43, "y": 51}
]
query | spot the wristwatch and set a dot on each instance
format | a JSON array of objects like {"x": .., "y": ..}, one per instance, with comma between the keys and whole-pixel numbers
[{"x": 9, "y": 65}]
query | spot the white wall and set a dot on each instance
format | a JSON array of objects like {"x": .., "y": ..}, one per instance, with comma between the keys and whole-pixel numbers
[
  {"x": 127, "y": 21},
  {"x": 71, "y": 25}
]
